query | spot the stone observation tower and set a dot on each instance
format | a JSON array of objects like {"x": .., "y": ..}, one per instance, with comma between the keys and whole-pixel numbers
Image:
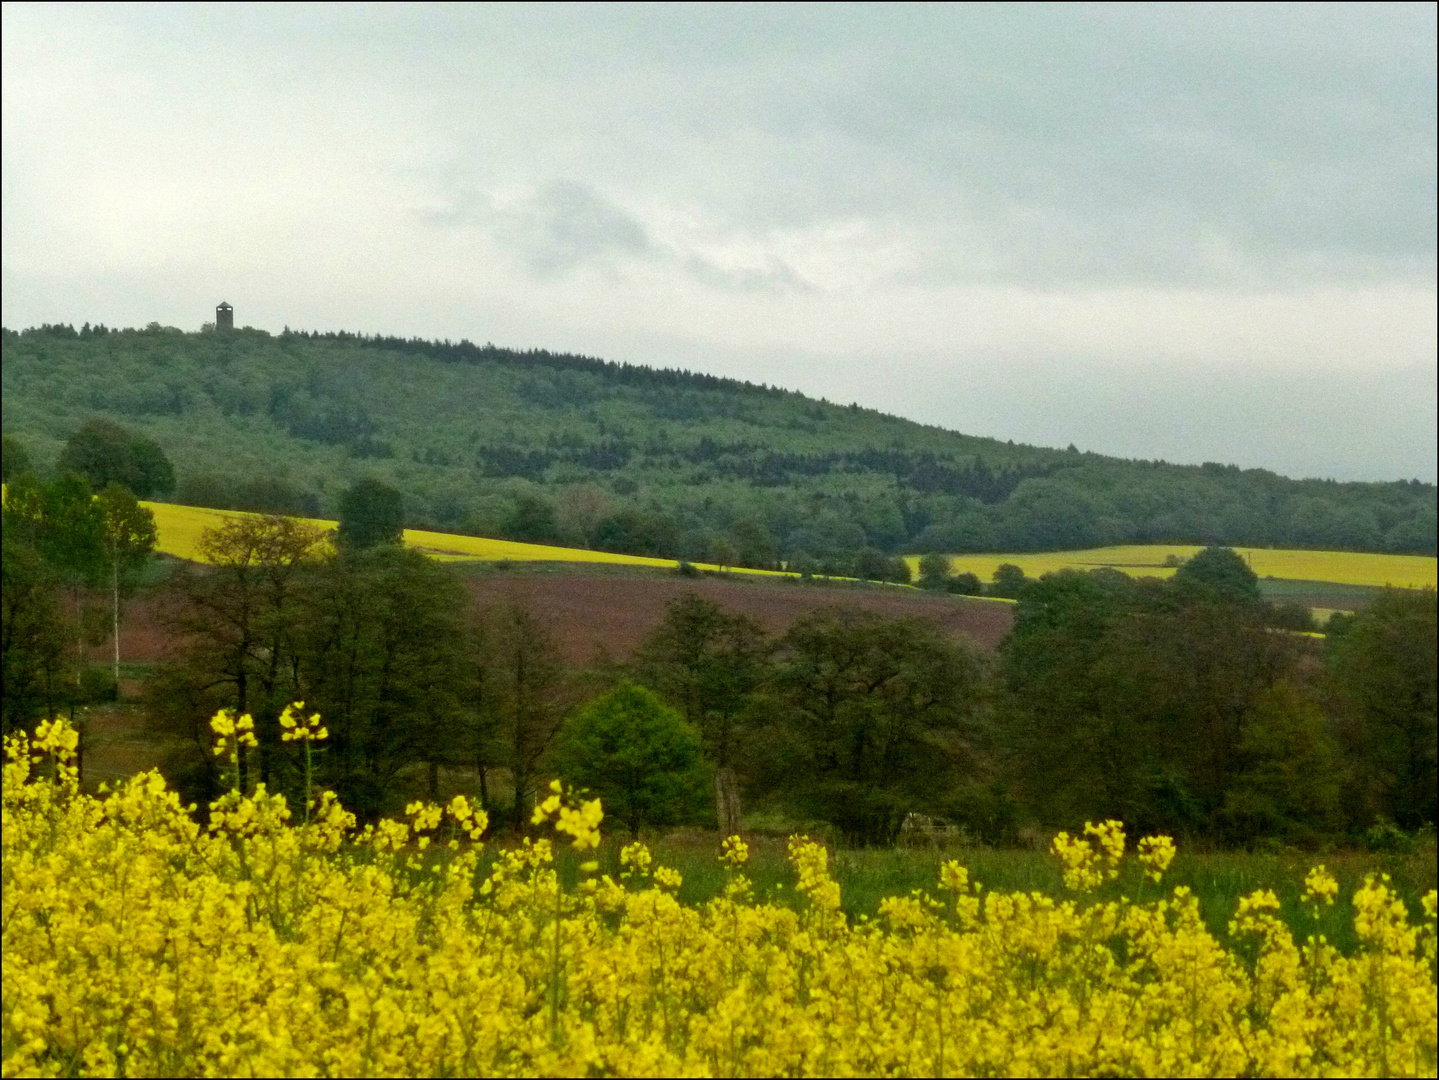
[{"x": 224, "y": 317}]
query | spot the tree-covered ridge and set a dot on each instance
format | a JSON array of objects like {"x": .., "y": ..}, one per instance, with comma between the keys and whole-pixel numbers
[{"x": 547, "y": 446}]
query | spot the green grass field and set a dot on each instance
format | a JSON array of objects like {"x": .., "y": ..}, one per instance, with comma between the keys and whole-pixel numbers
[{"x": 1217, "y": 878}]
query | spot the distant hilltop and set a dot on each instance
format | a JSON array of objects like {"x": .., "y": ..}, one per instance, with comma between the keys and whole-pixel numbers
[{"x": 556, "y": 447}]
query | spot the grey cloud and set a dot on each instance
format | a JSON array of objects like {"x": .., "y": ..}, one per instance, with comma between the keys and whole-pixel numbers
[
  {"x": 568, "y": 225},
  {"x": 562, "y": 227},
  {"x": 745, "y": 183}
]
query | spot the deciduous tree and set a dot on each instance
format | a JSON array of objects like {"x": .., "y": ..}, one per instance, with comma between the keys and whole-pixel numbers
[
  {"x": 130, "y": 537},
  {"x": 1385, "y": 672},
  {"x": 371, "y": 513},
  {"x": 638, "y": 755},
  {"x": 881, "y": 717},
  {"x": 104, "y": 453},
  {"x": 711, "y": 663}
]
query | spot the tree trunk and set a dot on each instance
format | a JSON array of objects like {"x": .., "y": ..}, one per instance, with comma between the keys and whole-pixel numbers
[
  {"x": 727, "y": 804},
  {"x": 434, "y": 779},
  {"x": 115, "y": 618}
]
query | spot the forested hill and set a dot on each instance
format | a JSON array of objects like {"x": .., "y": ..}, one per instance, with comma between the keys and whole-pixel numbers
[{"x": 548, "y": 446}]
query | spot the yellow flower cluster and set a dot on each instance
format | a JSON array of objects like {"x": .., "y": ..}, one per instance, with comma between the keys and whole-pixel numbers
[
  {"x": 138, "y": 942},
  {"x": 298, "y": 729}
]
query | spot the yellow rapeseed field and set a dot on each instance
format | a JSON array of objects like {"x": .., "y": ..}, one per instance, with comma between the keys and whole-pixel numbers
[
  {"x": 137, "y": 942},
  {"x": 1340, "y": 567},
  {"x": 180, "y": 528}
]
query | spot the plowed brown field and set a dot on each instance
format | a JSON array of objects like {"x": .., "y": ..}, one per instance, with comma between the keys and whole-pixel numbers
[
  {"x": 597, "y": 615},
  {"x": 604, "y": 616}
]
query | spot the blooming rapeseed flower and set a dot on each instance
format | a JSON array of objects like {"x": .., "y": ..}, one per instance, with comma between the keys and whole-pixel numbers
[{"x": 135, "y": 942}]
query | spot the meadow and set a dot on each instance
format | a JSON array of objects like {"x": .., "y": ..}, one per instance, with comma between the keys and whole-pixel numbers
[{"x": 289, "y": 942}]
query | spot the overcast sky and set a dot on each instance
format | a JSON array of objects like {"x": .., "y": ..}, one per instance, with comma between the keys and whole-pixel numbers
[{"x": 1188, "y": 232}]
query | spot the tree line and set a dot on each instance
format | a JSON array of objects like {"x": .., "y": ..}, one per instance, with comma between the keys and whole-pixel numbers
[
  {"x": 628, "y": 459},
  {"x": 1180, "y": 705}
]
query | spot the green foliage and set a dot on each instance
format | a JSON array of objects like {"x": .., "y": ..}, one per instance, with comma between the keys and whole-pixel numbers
[
  {"x": 380, "y": 651},
  {"x": 1289, "y": 786},
  {"x": 256, "y": 495},
  {"x": 878, "y": 719},
  {"x": 371, "y": 513},
  {"x": 14, "y": 458},
  {"x": 636, "y": 532},
  {"x": 63, "y": 522},
  {"x": 105, "y": 453},
  {"x": 1221, "y": 571},
  {"x": 375, "y": 640},
  {"x": 668, "y": 462},
  {"x": 871, "y": 564},
  {"x": 934, "y": 572},
  {"x": 1009, "y": 580},
  {"x": 1148, "y": 701},
  {"x": 520, "y": 694},
  {"x": 965, "y": 584},
  {"x": 34, "y": 635},
  {"x": 712, "y": 665},
  {"x": 1290, "y": 615},
  {"x": 1338, "y": 624},
  {"x": 709, "y": 663},
  {"x": 129, "y": 531},
  {"x": 638, "y": 755},
  {"x": 533, "y": 519},
  {"x": 1385, "y": 668}
]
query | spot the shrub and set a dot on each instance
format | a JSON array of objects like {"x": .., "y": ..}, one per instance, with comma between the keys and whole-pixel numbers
[{"x": 638, "y": 755}]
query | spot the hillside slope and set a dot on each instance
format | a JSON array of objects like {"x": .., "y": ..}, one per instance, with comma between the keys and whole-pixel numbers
[{"x": 549, "y": 447}]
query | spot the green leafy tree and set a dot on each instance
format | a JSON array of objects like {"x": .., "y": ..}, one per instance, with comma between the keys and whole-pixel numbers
[
  {"x": 934, "y": 572},
  {"x": 638, "y": 755},
  {"x": 1291, "y": 780},
  {"x": 371, "y": 513},
  {"x": 130, "y": 538},
  {"x": 871, "y": 564},
  {"x": 380, "y": 654},
  {"x": 753, "y": 542},
  {"x": 1133, "y": 699},
  {"x": 1068, "y": 752},
  {"x": 1384, "y": 671},
  {"x": 64, "y": 524},
  {"x": 1009, "y": 580},
  {"x": 1220, "y": 570},
  {"x": 14, "y": 458},
  {"x": 711, "y": 664},
  {"x": 532, "y": 519},
  {"x": 104, "y": 453},
  {"x": 521, "y": 693},
  {"x": 238, "y": 620},
  {"x": 35, "y": 651},
  {"x": 880, "y": 718},
  {"x": 965, "y": 584},
  {"x": 636, "y": 532},
  {"x": 720, "y": 552}
]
